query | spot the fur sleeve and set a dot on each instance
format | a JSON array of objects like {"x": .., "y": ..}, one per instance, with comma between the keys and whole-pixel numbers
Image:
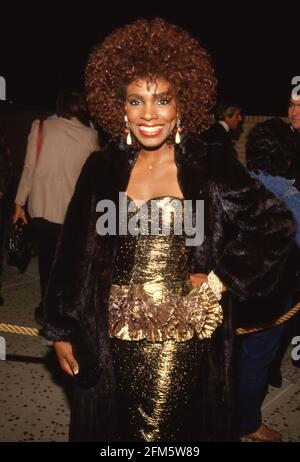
[{"x": 255, "y": 254}]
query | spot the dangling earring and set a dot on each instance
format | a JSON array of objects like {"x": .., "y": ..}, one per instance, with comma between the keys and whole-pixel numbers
[
  {"x": 178, "y": 126},
  {"x": 128, "y": 137}
]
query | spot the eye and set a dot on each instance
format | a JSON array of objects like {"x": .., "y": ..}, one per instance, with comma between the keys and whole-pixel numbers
[
  {"x": 134, "y": 102},
  {"x": 163, "y": 101}
]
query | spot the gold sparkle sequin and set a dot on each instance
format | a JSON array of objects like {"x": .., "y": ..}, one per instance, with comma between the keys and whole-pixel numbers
[
  {"x": 158, "y": 389},
  {"x": 151, "y": 296}
]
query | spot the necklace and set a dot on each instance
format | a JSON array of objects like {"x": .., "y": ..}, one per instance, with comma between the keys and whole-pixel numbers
[{"x": 150, "y": 166}]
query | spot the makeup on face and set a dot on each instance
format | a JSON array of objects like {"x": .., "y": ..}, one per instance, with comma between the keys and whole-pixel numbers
[{"x": 151, "y": 111}]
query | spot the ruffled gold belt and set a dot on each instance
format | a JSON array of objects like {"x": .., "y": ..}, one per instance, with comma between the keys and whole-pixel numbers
[{"x": 133, "y": 315}]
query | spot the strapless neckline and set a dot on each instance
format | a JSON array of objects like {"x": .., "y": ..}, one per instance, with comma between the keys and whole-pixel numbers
[{"x": 145, "y": 201}]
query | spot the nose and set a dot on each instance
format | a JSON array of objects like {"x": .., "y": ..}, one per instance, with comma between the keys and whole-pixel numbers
[{"x": 149, "y": 112}]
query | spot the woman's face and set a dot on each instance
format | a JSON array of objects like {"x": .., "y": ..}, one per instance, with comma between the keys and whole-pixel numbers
[{"x": 151, "y": 111}]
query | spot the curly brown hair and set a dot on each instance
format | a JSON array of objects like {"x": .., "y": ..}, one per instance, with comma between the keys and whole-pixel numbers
[{"x": 150, "y": 49}]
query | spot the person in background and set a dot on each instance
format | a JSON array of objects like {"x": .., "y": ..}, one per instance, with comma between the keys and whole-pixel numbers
[
  {"x": 48, "y": 182},
  {"x": 293, "y": 135},
  {"x": 268, "y": 156},
  {"x": 294, "y": 120},
  {"x": 228, "y": 118}
]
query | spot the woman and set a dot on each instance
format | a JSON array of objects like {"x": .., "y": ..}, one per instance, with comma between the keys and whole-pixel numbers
[
  {"x": 48, "y": 179},
  {"x": 151, "y": 358}
]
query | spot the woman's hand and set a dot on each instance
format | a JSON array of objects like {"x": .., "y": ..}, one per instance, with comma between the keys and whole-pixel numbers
[
  {"x": 68, "y": 363},
  {"x": 224, "y": 288},
  {"x": 19, "y": 213},
  {"x": 197, "y": 279}
]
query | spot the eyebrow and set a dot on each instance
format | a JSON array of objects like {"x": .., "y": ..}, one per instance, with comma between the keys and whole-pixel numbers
[{"x": 155, "y": 95}]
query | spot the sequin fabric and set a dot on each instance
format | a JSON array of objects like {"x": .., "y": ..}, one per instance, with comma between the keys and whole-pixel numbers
[
  {"x": 151, "y": 296},
  {"x": 158, "y": 389}
]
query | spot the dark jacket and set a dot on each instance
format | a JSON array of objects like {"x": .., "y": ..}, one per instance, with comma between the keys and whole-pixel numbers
[
  {"x": 248, "y": 234},
  {"x": 217, "y": 134}
]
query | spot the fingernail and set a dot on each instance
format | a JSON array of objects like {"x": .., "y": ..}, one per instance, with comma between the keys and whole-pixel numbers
[{"x": 75, "y": 371}]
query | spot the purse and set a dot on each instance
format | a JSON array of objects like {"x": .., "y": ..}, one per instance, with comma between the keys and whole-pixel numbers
[
  {"x": 19, "y": 243},
  {"x": 18, "y": 246}
]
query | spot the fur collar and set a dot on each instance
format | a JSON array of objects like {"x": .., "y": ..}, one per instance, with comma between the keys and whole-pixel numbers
[{"x": 193, "y": 157}]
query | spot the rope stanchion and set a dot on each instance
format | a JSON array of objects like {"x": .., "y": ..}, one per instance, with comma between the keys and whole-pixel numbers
[
  {"x": 13, "y": 329},
  {"x": 285, "y": 317},
  {"x": 32, "y": 331}
]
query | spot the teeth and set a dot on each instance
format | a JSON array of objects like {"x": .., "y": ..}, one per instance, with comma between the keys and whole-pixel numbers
[{"x": 151, "y": 129}]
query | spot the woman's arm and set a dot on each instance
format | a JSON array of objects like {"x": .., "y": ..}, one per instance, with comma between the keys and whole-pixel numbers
[
  {"x": 65, "y": 355},
  {"x": 29, "y": 166}
]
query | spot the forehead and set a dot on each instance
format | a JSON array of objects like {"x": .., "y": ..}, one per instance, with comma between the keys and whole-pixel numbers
[
  {"x": 295, "y": 101},
  {"x": 145, "y": 87}
]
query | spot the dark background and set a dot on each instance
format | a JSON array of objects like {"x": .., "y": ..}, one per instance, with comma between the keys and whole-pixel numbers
[{"x": 255, "y": 47}]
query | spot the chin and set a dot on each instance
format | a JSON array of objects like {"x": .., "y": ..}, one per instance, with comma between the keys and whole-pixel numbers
[{"x": 152, "y": 142}]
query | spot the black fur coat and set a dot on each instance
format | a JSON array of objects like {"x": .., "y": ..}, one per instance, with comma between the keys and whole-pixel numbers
[{"x": 248, "y": 234}]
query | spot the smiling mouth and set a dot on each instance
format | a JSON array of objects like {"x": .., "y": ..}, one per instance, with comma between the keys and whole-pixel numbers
[{"x": 150, "y": 131}]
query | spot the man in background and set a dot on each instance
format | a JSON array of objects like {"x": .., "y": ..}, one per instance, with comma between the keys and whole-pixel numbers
[
  {"x": 228, "y": 119},
  {"x": 294, "y": 120}
]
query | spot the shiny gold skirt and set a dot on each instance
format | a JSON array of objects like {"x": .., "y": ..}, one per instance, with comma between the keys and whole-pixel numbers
[{"x": 158, "y": 386}]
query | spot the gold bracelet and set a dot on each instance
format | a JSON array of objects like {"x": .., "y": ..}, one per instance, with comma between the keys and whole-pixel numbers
[{"x": 215, "y": 284}]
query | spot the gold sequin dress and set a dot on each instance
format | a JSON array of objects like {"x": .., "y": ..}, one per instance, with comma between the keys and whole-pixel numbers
[{"x": 158, "y": 324}]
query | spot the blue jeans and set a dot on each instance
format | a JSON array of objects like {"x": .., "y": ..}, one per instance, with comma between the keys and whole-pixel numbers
[{"x": 256, "y": 353}]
